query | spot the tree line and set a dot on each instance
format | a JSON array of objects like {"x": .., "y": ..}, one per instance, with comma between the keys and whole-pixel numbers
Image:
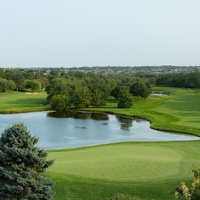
[
  {"x": 20, "y": 79},
  {"x": 80, "y": 92},
  {"x": 183, "y": 80},
  {"x": 13, "y": 79},
  {"x": 67, "y": 89}
]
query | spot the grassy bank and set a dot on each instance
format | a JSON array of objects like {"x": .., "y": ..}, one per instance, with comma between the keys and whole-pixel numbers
[
  {"x": 178, "y": 111},
  {"x": 148, "y": 170}
]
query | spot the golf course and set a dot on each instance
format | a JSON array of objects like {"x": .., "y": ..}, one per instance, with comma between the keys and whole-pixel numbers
[{"x": 148, "y": 170}]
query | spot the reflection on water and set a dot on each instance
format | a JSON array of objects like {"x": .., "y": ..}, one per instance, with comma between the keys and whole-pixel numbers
[
  {"x": 79, "y": 115},
  {"x": 70, "y": 114},
  {"x": 126, "y": 122},
  {"x": 82, "y": 130},
  {"x": 99, "y": 116}
]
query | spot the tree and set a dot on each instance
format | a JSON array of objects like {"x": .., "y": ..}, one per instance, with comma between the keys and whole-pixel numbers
[
  {"x": 3, "y": 85},
  {"x": 98, "y": 98},
  {"x": 16, "y": 76},
  {"x": 22, "y": 165},
  {"x": 124, "y": 98},
  {"x": 116, "y": 92},
  {"x": 6, "y": 85},
  {"x": 193, "y": 80},
  {"x": 81, "y": 97},
  {"x": 34, "y": 85},
  {"x": 60, "y": 103},
  {"x": 99, "y": 83},
  {"x": 57, "y": 86},
  {"x": 11, "y": 85},
  {"x": 140, "y": 89}
]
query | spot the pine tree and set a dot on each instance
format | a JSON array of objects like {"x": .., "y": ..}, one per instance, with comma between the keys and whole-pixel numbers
[{"x": 22, "y": 165}]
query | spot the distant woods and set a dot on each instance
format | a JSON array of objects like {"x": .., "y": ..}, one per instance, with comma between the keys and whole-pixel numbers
[
  {"x": 22, "y": 80},
  {"x": 82, "y": 88},
  {"x": 183, "y": 80}
]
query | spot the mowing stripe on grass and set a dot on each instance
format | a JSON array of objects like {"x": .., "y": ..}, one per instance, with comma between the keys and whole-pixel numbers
[{"x": 119, "y": 162}]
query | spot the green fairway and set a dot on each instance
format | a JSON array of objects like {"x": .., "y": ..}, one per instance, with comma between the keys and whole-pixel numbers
[
  {"x": 17, "y": 102},
  {"x": 126, "y": 164}
]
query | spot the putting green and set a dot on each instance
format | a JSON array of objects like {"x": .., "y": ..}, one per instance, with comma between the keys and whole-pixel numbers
[{"x": 118, "y": 162}]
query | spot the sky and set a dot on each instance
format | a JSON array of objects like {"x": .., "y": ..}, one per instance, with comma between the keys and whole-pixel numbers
[{"x": 76, "y": 33}]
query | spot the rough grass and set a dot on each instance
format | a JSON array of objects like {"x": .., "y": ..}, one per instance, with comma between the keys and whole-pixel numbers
[{"x": 147, "y": 170}]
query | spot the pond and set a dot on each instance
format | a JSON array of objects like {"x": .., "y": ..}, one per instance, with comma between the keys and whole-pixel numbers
[{"x": 70, "y": 132}]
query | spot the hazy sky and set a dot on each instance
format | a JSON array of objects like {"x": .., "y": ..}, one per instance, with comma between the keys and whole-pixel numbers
[{"x": 75, "y": 33}]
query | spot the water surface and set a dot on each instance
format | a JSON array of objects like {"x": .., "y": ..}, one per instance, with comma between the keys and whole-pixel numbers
[{"x": 56, "y": 133}]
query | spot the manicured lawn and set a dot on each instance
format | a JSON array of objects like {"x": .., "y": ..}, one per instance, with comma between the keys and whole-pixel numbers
[
  {"x": 110, "y": 169},
  {"x": 127, "y": 162},
  {"x": 15, "y": 102}
]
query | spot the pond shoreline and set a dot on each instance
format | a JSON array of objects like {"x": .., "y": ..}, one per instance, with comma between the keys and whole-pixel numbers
[
  {"x": 111, "y": 113},
  {"x": 88, "y": 130}
]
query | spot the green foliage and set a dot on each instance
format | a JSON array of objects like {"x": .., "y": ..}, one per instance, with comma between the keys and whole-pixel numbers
[
  {"x": 60, "y": 103},
  {"x": 115, "y": 92},
  {"x": 140, "y": 89},
  {"x": 192, "y": 193},
  {"x": 124, "y": 98},
  {"x": 81, "y": 97},
  {"x": 16, "y": 76},
  {"x": 83, "y": 90},
  {"x": 34, "y": 85},
  {"x": 98, "y": 98},
  {"x": 11, "y": 85},
  {"x": 22, "y": 165},
  {"x": 6, "y": 85},
  {"x": 3, "y": 85},
  {"x": 99, "y": 83},
  {"x": 188, "y": 80},
  {"x": 57, "y": 86}
]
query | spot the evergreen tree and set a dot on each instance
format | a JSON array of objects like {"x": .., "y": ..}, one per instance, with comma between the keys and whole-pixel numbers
[{"x": 22, "y": 165}]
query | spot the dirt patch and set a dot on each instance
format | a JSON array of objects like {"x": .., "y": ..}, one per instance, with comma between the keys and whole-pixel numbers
[{"x": 32, "y": 93}]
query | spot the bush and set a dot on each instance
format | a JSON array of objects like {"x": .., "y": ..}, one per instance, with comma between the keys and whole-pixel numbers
[{"x": 193, "y": 193}]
